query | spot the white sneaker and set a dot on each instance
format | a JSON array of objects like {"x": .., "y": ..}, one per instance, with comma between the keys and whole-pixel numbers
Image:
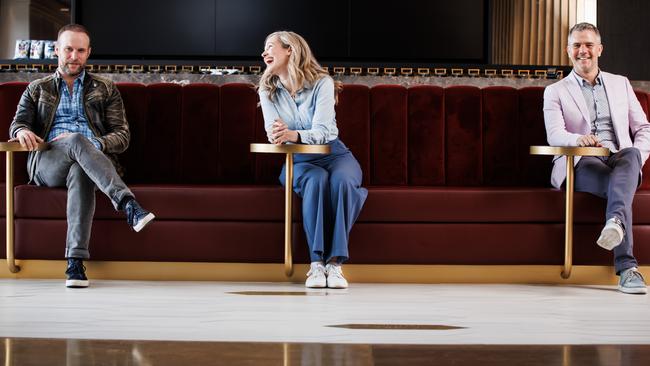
[
  {"x": 335, "y": 277},
  {"x": 316, "y": 277},
  {"x": 612, "y": 234}
]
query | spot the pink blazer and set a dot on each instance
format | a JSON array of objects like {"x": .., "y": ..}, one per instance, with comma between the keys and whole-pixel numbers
[{"x": 566, "y": 118}]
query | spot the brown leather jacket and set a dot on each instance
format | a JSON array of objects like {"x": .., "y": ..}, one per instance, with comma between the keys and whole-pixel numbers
[{"x": 102, "y": 104}]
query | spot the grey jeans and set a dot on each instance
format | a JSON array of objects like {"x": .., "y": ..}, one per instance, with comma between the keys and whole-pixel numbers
[
  {"x": 74, "y": 162},
  {"x": 615, "y": 178}
]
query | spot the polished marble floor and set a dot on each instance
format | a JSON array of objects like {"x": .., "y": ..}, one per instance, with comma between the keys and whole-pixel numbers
[
  {"x": 73, "y": 352},
  {"x": 376, "y": 314}
]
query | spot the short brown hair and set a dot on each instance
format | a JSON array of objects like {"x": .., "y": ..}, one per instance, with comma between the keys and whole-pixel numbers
[{"x": 73, "y": 28}]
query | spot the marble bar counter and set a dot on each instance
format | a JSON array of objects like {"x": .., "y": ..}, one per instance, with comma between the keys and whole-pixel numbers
[{"x": 188, "y": 78}]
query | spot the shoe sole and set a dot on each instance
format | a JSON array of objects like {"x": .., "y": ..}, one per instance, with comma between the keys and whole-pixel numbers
[
  {"x": 336, "y": 286},
  {"x": 76, "y": 283},
  {"x": 144, "y": 222},
  {"x": 609, "y": 239},
  {"x": 317, "y": 285},
  {"x": 634, "y": 290}
]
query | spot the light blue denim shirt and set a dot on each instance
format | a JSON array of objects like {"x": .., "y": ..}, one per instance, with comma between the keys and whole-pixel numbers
[
  {"x": 70, "y": 116},
  {"x": 311, "y": 112}
]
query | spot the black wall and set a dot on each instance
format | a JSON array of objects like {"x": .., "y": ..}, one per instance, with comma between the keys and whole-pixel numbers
[
  {"x": 337, "y": 30},
  {"x": 625, "y": 29}
]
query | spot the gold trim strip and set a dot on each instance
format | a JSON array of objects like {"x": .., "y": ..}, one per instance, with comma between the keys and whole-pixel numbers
[
  {"x": 541, "y": 73},
  {"x": 474, "y": 72},
  {"x": 507, "y": 72},
  {"x": 255, "y": 69},
  {"x": 153, "y": 68},
  {"x": 440, "y": 71},
  {"x": 239, "y": 68},
  {"x": 338, "y": 70},
  {"x": 390, "y": 71},
  {"x": 490, "y": 72},
  {"x": 204, "y": 68},
  {"x": 137, "y": 68},
  {"x": 52, "y": 67},
  {"x": 456, "y": 72},
  {"x": 373, "y": 71},
  {"x": 21, "y": 67},
  {"x": 5, "y": 67},
  {"x": 120, "y": 68},
  {"x": 171, "y": 68},
  {"x": 523, "y": 73},
  {"x": 187, "y": 68},
  {"x": 356, "y": 70},
  {"x": 424, "y": 71},
  {"x": 104, "y": 68},
  {"x": 273, "y": 272},
  {"x": 406, "y": 71}
]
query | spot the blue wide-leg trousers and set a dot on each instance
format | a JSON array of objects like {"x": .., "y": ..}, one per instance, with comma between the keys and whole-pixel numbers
[{"x": 332, "y": 198}]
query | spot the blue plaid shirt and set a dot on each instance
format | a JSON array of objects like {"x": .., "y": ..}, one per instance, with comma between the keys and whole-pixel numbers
[{"x": 70, "y": 116}]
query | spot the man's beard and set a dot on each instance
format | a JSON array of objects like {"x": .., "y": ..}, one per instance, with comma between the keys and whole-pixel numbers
[{"x": 67, "y": 71}]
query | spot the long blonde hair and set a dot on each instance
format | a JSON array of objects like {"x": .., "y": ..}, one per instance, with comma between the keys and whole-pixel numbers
[{"x": 302, "y": 67}]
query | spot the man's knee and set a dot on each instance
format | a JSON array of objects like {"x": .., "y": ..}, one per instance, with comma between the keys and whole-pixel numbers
[
  {"x": 631, "y": 152},
  {"x": 77, "y": 139}
]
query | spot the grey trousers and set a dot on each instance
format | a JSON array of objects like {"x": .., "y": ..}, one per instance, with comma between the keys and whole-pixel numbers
[
  {"x": 75, "y": 163},
  {"x": 615, "y": 178}
]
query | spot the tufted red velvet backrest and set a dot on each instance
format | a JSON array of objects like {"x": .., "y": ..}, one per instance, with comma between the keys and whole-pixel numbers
[{"x": 419, "y": 136}]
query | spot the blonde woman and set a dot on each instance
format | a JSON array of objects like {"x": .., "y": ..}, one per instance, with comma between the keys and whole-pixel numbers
[{"x": 297, "y": 97}]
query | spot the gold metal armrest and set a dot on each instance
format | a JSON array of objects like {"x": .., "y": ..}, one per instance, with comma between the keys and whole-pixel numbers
[
  {"x": 289, "y": 150},
  {"x": 570, "y": 152},
  {"x": 9, "y": 148}
]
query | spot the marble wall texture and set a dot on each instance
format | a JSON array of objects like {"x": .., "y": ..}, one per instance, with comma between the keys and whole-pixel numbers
[{"x": 187, "y": 78}]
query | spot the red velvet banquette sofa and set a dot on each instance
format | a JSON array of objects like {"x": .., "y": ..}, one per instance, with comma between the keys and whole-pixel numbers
[{"x": 448, "y": 170}]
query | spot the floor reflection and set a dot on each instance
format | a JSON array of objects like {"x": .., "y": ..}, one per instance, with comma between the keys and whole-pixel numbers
[{"x": 75, "y": 352}]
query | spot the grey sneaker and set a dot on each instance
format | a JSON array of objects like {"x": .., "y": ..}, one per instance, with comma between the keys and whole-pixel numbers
[
  {"x": 632, "y": 282},
  {"x": 612, "y": 234}
]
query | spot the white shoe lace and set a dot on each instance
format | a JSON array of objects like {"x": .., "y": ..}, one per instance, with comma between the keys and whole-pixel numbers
[{"x": 316, "y": 270}]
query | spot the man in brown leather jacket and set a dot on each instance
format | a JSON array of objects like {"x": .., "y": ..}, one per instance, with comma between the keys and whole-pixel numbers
[{"x": 81, "y": 117}]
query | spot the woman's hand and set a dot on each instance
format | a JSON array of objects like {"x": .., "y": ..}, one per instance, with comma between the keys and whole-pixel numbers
[{"x": 281, "y": 133}]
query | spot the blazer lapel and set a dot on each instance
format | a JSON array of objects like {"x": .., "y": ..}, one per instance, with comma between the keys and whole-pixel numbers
[
  {"x": 574, "y": 90},
  {"x": 611, "y": 92}
]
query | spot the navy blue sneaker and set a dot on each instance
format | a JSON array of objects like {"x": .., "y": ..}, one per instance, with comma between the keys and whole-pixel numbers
[
  {"x": 76, "y": 273},
  {"x": 136, "y": 216}
]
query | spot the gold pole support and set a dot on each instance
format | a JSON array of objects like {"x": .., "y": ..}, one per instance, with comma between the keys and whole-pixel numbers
[
  {"x": 288, "y": 222},
  {"x": 9, "y": 148},
  {"x": 289, "y": 150},
  {"x": 570, "y": 152}
]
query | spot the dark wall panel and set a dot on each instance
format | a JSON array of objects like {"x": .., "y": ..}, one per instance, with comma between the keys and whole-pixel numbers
[
  {"x": 149, "y": 27},
  {"x": 434, "y": 30},
  {"x": 624, "y": 28},
  {"x": 242, "y": 25},
  {"x": 337, "y": 30}
]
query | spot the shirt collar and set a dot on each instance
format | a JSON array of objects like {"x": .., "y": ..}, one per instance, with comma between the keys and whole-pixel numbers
[
  {"x": 81, "y": 78},
  {"x": 582, "y": 81},
  {"x": 305, "y": 86}
]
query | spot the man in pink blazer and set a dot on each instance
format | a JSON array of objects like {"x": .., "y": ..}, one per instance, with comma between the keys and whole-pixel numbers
[{"x": 590, "y": 107}]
